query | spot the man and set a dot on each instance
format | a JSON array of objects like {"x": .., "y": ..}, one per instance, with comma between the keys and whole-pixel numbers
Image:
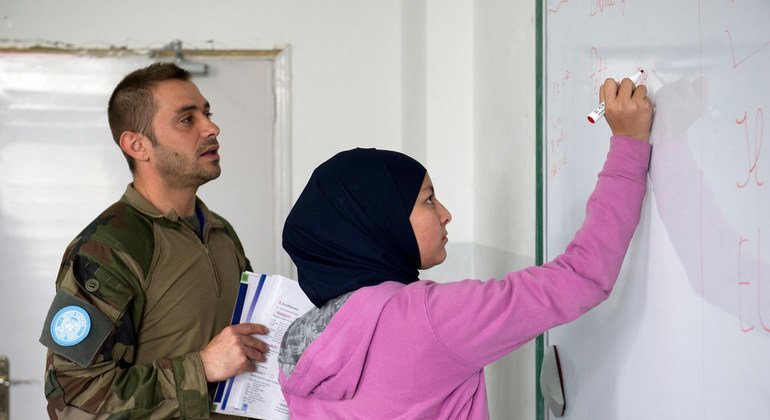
[{"x": 139, "y": 327}]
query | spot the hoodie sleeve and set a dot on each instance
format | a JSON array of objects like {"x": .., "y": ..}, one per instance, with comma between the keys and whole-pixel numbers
[{"x": 482, "y": 321}]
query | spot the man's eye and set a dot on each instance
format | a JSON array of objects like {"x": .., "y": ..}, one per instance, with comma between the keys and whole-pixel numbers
[{"x": 209, "y": 115}]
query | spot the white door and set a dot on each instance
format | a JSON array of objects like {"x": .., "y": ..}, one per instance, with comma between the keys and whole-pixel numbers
[{"x": 59, "y": 168}]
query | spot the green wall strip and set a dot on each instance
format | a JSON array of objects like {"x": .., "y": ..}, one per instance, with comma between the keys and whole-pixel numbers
[{"x": 539, "y": 180}]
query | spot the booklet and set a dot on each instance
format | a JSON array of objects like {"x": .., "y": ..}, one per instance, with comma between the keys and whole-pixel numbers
[{"x": 275, "y": 302}]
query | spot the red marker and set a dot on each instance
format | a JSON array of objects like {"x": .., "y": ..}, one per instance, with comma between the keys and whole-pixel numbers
[{"x": 598, "y": 113}]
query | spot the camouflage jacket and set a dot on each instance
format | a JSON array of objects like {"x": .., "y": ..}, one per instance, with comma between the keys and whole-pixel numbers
[{"x": 139, "y": 293}]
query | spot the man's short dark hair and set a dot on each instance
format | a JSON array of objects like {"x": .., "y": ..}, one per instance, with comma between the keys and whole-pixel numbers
[{"x": 132, "y": 106}]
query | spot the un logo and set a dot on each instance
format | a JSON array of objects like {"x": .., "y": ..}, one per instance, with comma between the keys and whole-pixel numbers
[{"x": 70, "y": 326}]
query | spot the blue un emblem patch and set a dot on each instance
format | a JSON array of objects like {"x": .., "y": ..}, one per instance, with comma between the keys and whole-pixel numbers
[{"x": 70, "y": 326}]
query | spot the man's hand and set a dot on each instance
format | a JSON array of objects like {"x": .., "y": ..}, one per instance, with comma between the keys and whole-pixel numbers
[
  {"x": 233, "y": 351},
  {"x": 628, "y": 109}
]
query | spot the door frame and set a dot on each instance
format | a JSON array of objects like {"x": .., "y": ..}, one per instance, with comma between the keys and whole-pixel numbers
[{"x": 280, "y": 56}]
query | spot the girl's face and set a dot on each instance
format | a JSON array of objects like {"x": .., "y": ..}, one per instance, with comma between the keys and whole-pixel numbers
[{"x": 429, "y": 219}]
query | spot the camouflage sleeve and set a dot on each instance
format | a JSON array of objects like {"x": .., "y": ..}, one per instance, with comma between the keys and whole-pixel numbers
[{"x": 90, "y": 369}]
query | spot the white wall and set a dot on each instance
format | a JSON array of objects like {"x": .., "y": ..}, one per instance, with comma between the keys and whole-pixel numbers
[
  {"x": 469, "y": 94},
  {"x": 346, "y": 58},
  {"x": 504, "y": 175},
  {"x": 450, "y": 82}
]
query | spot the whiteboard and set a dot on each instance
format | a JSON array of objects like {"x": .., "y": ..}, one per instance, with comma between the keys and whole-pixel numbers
[{"x": 686, "y": 332}]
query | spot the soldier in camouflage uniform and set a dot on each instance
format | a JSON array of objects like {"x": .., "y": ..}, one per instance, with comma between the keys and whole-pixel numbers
[{"x": 139, "y": 327}]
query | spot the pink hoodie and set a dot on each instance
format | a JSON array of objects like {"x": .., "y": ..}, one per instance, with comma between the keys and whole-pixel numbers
[{"x": 417, "y": 351}]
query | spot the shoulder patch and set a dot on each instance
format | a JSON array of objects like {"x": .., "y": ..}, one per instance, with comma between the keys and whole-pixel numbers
[
  {"x": 75, "y": 329},
  {"x": 70, "y": 325}
]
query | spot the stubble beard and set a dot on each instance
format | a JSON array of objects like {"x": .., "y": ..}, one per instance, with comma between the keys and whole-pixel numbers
[{"x": 178, "y": 171}]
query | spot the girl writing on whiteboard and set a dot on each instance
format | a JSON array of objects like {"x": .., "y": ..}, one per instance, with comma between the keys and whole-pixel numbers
[{"x": 383, "y": 344}]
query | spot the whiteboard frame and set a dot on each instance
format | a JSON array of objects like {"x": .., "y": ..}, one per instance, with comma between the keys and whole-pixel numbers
[{"x": 540, "y": 187}]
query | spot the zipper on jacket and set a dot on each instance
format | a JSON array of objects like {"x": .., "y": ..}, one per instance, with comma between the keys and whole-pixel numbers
[{"x": 202, "y": 240}]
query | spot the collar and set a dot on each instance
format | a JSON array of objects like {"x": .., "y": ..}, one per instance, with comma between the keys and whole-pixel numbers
[{"x": 138, "y": 202}]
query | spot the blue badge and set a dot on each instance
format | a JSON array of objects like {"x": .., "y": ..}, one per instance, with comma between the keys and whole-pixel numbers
[{"x": 70, "y": 326}]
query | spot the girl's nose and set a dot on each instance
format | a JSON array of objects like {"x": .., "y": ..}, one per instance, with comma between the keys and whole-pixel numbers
[{"x": 445, "y": 215}]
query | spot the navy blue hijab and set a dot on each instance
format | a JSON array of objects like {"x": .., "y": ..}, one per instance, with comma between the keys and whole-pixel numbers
[{"x": 350, "y": 226}]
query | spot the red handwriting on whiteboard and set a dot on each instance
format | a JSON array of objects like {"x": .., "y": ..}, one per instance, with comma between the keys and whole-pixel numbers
[
  {"x": 558, "y": 164},
  {"x": 555, "y": 143},
  {"x": 599, "y": 6},
  {"x": 737, "y": 62},
  {"x": 557, "y": 157},
  {"x": 558, "y": 85},
  {"x": 744, "y": 287},
  {"x": 753, "y": 156},
  {"x": 599, "y": 67},
  {"x": 556, "y": 8},
  {"x": 742, "y": 284}
]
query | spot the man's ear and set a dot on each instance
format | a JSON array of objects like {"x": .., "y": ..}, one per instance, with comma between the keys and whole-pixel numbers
[{"x": 135, "y": 145}]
